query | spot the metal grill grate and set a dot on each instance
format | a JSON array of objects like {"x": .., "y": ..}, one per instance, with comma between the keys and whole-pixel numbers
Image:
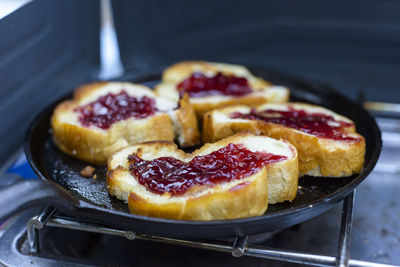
[{"x": 240, "y": 247}]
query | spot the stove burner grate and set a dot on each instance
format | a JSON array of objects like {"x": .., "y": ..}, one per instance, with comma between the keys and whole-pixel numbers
[{"x": 240, "y": 246}]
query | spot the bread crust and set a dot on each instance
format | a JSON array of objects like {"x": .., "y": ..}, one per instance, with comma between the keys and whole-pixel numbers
[
  {"x": 282, "y": 176},
  {"x": 179, "y": 71},
  {"x": 187, "y": 123},
  {"x": 251, "y": 99},
  {"x": 244, "y": 198},
  {"x": 95, "y": 145},
  {"x": 86, "y": 89},
  {"x": 317, "y": 156}
]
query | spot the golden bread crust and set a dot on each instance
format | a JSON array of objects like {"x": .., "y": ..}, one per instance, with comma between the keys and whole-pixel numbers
[
  {"x": 251, "y": 100},
  {"x": 95, "y": 145},
  {"x": 180, "y": 71},
  {"x": 187, "y": 121},
  {"x": 317, "y": 156},
  {"x": 86, "y": 89},
  {"x": 247, "y": 199},
  {"x": 244, "y": 198},
  {"x": 282, "y": 176}
]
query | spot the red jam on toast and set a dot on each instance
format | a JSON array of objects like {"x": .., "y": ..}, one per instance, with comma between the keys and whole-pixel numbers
[
  {"x": 173, "y": 176},
  {"x": 318, "y": 124},
  {"x": 199, "y": 85},
  {"x": 112, "y": 108}
]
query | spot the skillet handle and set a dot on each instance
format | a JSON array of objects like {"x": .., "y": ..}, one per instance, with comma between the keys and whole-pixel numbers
[{"x": 28, "y": 193}]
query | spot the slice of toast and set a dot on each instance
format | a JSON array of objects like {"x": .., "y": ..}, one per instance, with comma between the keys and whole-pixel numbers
[
  {"x": 262, "y": 91},
  {"x": 318, "y": 156},
  {"x": 237, "y": 198},
  {"x": 93, "y": 143}
]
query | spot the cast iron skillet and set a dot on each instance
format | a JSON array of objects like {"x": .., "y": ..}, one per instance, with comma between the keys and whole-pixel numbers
[{"x": 62, "y": 186}]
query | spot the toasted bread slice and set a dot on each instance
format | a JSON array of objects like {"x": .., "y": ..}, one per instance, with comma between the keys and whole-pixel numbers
[
  {"x": 262, "y": 91},
  {"x": 95, "y": 144},
  {"x": 317, "y": 156},
  {"x": 237, "y": 198}
]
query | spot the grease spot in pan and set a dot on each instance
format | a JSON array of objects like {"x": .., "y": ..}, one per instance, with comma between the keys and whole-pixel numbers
[{"x": 66, "y": 171}]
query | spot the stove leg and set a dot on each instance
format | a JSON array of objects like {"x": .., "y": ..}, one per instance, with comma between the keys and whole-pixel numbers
[
  {"x": 239, "y": 247},
  {"x": 37, "y": 223},
  {"x": 343, "y": 251}
]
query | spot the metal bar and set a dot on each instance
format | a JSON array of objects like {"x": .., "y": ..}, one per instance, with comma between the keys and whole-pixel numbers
[
  {"x": 215, "y": 246},
  {"x": 110, "y": 60},
  {"x": 88, "y": 227},
  {"x": 35, "y": 223},
  {"x": 290, "y": 256},
  {"x": 240, "y": 245},
  {"x": 305, "y": 258},
  {"x": 382, "y": 107},
  {"x": 343, "y": 250}
]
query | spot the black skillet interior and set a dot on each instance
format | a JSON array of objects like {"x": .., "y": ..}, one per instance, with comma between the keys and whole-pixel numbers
[{"x": 315, "y": 195}]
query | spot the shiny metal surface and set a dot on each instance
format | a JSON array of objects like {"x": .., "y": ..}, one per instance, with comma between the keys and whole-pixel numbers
[
  {"x": 13, "y": 253},
  {"x": 83, "y": 226},
  {"x": 238, "y": 248},
  {"x": 382, "y": 106},
  {"x": 37, "y": 223},
  {"x": 343, "y": 251}
]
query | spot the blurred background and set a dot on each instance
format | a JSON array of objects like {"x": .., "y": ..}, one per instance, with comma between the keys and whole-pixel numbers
[
  {"x": 47, "y": 48},
  {"x": 8, "y": 6}
]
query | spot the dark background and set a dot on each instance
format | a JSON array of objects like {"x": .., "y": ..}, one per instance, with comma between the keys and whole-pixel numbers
[{"x": 352, "y": 45}]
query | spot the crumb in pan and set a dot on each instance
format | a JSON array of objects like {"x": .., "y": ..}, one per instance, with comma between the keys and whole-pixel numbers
[{"x": 88, "y": 171}]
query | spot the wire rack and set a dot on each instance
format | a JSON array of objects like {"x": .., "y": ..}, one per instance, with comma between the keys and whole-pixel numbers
[{"x": 240, "y": 247}]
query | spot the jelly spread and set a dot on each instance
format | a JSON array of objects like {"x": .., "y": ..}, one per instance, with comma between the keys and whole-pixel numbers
[
  {"x": 170, "y": 175},
  {"x": 199, "y": 85},
  {"x": 111, "y": 108},
  {"x": 317, "y": 124}
]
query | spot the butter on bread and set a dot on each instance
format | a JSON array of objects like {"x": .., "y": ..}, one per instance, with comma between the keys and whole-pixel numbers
[
  {"x": 95, "y": 145},
  {"x": 249, "y": 196},
  {"x": 317, "y": 156},
  {"x": 262, "y": 91}
]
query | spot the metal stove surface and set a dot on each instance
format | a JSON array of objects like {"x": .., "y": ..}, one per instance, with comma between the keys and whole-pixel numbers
[{"x": 375, "y": 235}]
